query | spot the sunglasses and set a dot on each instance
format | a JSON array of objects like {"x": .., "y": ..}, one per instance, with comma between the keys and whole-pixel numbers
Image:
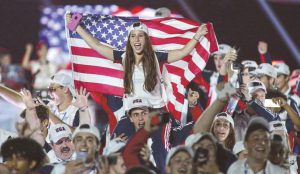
[{"x": 53, "y": 89}]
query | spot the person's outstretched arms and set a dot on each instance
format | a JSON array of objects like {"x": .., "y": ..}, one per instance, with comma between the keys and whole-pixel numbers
[
  {"x": 178, "y": 54},
  {"x": 12, "y": 96},
  {"x": 102, "y": 49}
]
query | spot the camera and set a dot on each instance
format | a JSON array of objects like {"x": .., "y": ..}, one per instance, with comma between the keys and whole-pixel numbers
[
  {"x": 160, "y": 119},
  {"x": 235, "y": 66},
  {"x": 237, "y": 78}
]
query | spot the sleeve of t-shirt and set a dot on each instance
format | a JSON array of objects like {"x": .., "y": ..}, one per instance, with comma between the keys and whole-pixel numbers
[
  {"x": 162, "y": 57},
  {"x": 118, "y": 56}
]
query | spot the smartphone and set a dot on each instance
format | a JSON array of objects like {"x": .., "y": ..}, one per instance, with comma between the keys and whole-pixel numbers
[
  {"x": 81, "y": 155},
  {"x": 270, "y": 104}
]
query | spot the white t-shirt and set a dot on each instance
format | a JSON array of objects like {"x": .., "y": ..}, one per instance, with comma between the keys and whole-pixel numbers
[
  {"x": 67, "y": 116},
  {"x": 241, "y": 167},
  {"x": 154, "y": 97}
]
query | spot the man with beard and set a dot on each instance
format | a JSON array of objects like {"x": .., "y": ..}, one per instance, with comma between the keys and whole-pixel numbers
[
  {"x": 60, "y": 137},
  {"x": 257, "y": 142}
]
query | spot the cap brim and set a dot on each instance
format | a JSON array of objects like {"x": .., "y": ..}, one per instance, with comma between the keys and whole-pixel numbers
[{"x": 139, "y": 107}]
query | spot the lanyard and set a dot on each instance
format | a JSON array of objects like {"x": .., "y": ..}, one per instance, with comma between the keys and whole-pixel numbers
[{"x": 246, "y": 168}]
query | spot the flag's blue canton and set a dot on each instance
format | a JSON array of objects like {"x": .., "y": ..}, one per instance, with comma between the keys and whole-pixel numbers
[
  {"x": 53, "y": 24},
  {"x": 108, "y": 29}
]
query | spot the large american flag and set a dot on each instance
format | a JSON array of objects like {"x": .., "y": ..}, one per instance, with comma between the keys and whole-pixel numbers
[{"x": 98, "y": 74}]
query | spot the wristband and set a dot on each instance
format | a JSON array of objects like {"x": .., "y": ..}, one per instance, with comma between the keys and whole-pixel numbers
[
  {"x": 75, "y": 21},
  {"x": 196, "y": 38},
  {"x": 83, "y": 108}
]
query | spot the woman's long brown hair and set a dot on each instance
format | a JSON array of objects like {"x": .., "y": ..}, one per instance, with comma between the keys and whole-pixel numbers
[
  {"x": 229, "y": 142},
  {"x": 149, "y": 66}
]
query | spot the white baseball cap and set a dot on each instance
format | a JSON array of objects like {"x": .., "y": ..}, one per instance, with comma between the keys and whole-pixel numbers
[
  {"x": 137, "y": 102},
  {"x": 176, "y": 149},
  {"x": 277, "y": 125},
  {"x": 238, "y": 147},
  {"x": 163, "y": 12},
  {"x": 194, "y": 138},
  {"x": 255, "y": 85},
  {"x": 282, "y": 68},
  {"x": 225, "y": 116},
  {"x": 223, "y": 49},
  {"x": 86, "y": 128},
  {"x": 58, "y": 131},
  {"x": 65, "y": 80},
  {"x": 138, "y": 26},
  {"x": 249, "y": 64},
  {"x": 266, "y": 69}
]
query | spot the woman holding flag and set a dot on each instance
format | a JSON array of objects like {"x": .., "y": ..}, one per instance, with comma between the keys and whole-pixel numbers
[{"x": 142, "y": 75}]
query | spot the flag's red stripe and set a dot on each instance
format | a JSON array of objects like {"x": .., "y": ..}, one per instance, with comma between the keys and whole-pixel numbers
[
  {"x": 88, "y": 52},
  {"x": 88, "y": 69},
  {"x": 173, "y": 40},
  {"x": 169, "y": 29},
  {"x": 175, "y": 70},
  {"x": 98, "y": 87},
  {"x": 158, "y": 20}
]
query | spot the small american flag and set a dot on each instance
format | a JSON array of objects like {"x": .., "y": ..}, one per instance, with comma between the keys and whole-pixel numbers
[{"x": 98, "y": 74}]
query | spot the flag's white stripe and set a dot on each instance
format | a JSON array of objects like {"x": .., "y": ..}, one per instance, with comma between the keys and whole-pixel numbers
[
  {"x": 205, "y": 44},
  {"x": 199, "y": 61},
  {"x": 180, "y": 64},
  {"x": 81, "y": 43},
  {"x": 160, "y": 34},
  {"x": 93, "y": 78},
  {"x": 86, "y": 60},
  {"x": 178, "y": 24}
]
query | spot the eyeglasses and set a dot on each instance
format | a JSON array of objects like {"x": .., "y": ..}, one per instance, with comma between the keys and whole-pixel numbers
[{"x": 53, "y": 89}]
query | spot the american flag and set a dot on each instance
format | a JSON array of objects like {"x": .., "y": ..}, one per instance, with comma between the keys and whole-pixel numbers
[{"x": 96, "y": 73}]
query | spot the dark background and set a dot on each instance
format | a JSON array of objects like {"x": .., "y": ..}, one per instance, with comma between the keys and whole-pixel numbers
[{"x": 240, "y": 23}]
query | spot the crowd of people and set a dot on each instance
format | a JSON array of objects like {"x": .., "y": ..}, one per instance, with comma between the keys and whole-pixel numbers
[{"x": 241, "y": 118}]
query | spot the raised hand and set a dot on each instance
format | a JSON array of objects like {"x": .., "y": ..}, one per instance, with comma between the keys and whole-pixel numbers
[
  {"x": 262, "y": 47},
  {"x": 202, "y": 31},
  {"x": 68, "y": 18},
  {"x": 244, "y": 90},
  {"x": 230, "y": 56},
  {"x": 145, "y": 153},
  {"x": 103, "y": 167},
  {"x": 27, "y": 99},
  {"x": 280, "y": 101},
  {"x": 81, "y": 99},
  {"x": 121, "y": 138}
]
